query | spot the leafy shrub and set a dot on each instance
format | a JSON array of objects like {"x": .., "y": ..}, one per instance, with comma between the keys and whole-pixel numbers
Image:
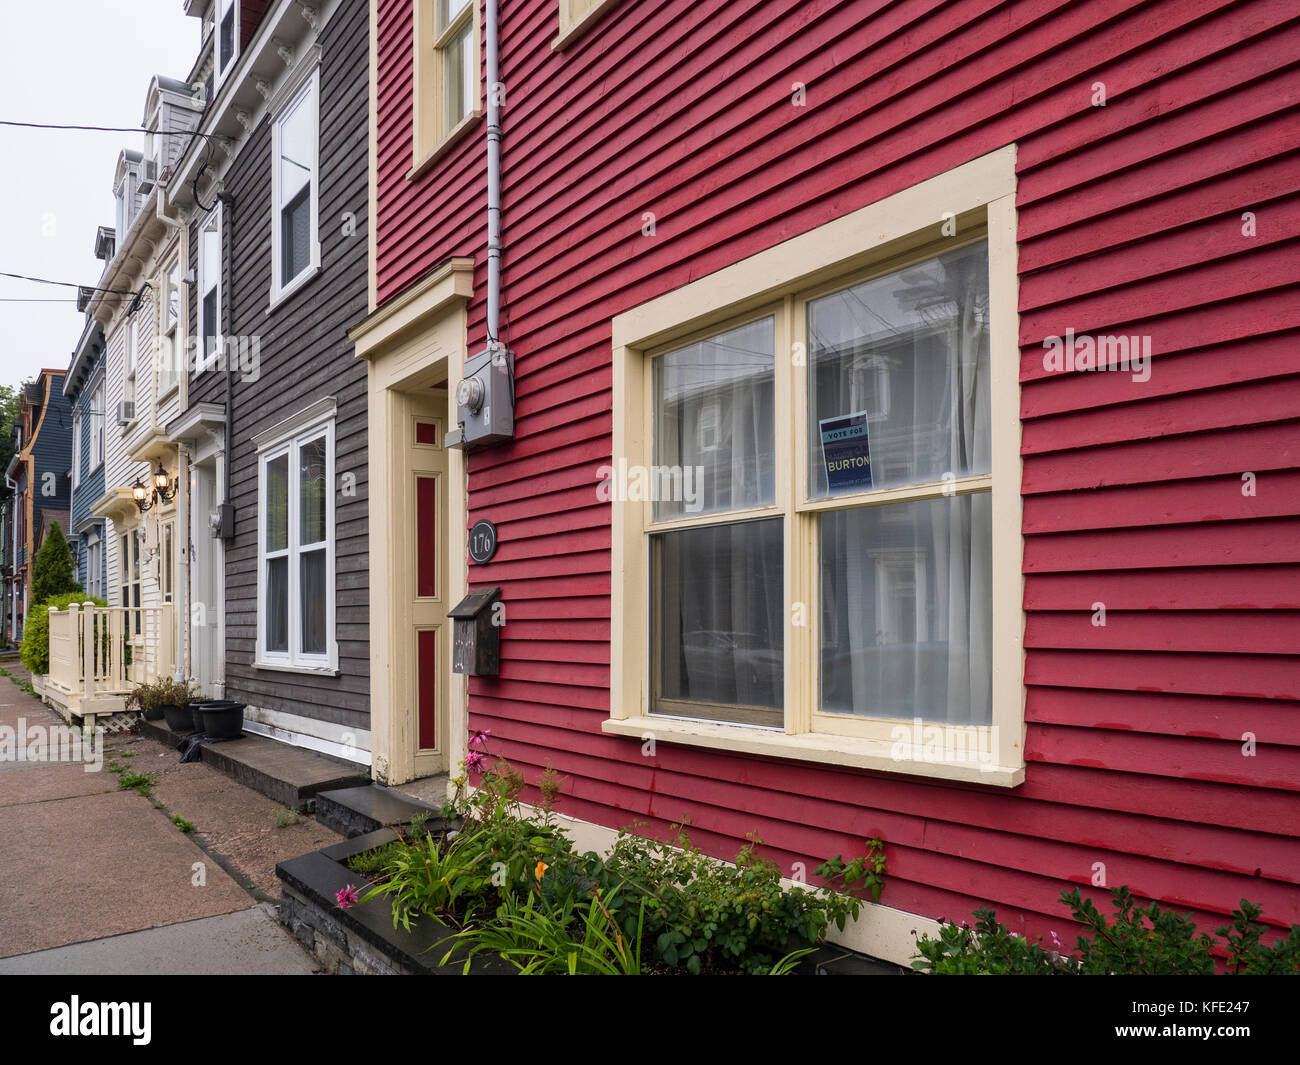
[
  {"x": 704, "y": 915},
  {"x": 52, "y": 569},
  {"x": 1137, "y": 940},
  {"x": 35, "y": 649}
]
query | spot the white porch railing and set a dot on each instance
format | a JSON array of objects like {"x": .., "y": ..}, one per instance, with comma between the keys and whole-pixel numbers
[{"x": 90, "y": 647}]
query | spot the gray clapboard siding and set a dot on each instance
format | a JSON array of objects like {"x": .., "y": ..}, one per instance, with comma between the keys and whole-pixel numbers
[{"x": 305, "y": 355}]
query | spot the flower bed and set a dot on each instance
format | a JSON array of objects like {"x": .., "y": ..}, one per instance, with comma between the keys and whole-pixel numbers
[{"x": 506, "y": 887}]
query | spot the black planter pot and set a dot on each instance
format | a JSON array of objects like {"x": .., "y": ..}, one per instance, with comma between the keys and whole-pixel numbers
[
  {"x": 223, "y": 719},
  {"x": 196, "y": 717},
  {"x": 179, "y": 718},
  {"x": 156, "y": 713}
]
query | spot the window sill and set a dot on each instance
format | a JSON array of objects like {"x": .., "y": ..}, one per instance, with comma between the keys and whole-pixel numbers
[
  {"x": 568, "y": 34},
  {"x": 425, "y": 162},
  {"x": 285, "y": 667},
  {"x": 278, "y": 296},
  {"x": 858, "y": 752}
]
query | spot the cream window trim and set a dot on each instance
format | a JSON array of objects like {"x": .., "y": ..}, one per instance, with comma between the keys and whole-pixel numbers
[
  {"x": 432, "y": 133},
  {"x": 577, "y": 17},
  {"x": 979, "y": 197}
]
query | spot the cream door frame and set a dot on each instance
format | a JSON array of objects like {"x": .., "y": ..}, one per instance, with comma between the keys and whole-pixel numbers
[{"x": 415, "y": 342}]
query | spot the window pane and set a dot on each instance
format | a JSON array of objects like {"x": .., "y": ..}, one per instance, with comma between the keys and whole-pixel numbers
[
  {"x": 277, "y": 504},
  {"x": 719, "y": 624},
  {"x": 277, "y": 604},
  {"x": 906, "y": 614},
  {"x": 173, "y": 295},
  {"x": 312, "y": 601},
  {"x": 460, "y": 72},
  {"x": 714, "y": 430},
  {"x": 228, "y": 37},
  {"x": 297, "y": 148},
  {"x": 211, "y": 259},
  {"x": 311, "y": 487},
  {"x": 448, "y": 10},
  {"x": 295, "y": 236},
  {"x": 211, "y": 327},
  {"x": 898, "y": 388}
]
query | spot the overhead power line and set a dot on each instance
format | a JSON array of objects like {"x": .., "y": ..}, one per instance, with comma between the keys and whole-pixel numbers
[
  {"x": 109, "y": 129},
  {"x": 68, "y": 284}
]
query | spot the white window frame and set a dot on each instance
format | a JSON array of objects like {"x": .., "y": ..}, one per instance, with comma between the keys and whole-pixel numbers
[
  {"x": 98, "y": 418},
  {"x": 94, "y": 565},
  {"x": 978, "y": 193},
  {"x": 223, "y": 65},
  {"x": 167, "y": 371},
  {"x": 310, "y": 87},
  {"x": 285, "y": 439},
  {"x": 76, "y": 447},
  {"x": 215, "y": 221}
]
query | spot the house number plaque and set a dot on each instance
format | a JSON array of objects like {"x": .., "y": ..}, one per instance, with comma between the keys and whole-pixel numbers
[{"x": 482, "y": 541}]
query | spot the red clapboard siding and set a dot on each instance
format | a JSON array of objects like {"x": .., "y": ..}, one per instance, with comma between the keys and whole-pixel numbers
[{"x": 1130, "y": 222}]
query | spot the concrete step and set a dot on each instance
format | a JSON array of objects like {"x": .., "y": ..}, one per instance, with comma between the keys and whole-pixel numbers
[
  {"x": 356, "y": 811},
  {"x": 290, "y": 775}
]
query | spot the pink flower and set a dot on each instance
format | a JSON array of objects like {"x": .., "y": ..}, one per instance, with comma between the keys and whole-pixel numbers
[
  {"x": 479, "y": 737},
  {"x": 347, "y": 897},
  {"x": 473, "y": 760},
  {"x": 1056, "y": 942}
]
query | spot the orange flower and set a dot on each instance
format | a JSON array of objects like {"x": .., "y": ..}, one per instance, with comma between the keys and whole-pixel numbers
[{"x": 540, "y": 871}]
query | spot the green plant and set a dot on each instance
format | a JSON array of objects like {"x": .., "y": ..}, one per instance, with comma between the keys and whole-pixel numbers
[
  {"x": 162, "y": 692},
  {"x": 182, "y": 824},
  {"x": 284, "y": 816},
  {"x": 52, "y": 569},
  {"x": 129, "y": 780},
  {"x": 575, "y": 939},
  {"x": 704, "y": 915},
  {"x": 1136, "y": 940},
  {"x": 35, "y": 649},
  {"x": 368, "y": 863},
  {"x": 426, "y": 878},
  {"x": 418, "y": 828}
]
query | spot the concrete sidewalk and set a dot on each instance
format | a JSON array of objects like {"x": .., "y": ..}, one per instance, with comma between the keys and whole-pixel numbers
[{"x": 82, "y": 862}]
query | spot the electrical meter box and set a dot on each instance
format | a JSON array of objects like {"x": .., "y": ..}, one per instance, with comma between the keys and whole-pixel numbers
[{"x": 485, "y": 399}]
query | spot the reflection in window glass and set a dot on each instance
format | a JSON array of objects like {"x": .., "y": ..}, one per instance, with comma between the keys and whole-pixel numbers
[{"x": 899, "y": 376}]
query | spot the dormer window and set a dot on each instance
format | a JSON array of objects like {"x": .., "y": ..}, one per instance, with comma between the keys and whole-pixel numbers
[{"x": 227, "y": 34}]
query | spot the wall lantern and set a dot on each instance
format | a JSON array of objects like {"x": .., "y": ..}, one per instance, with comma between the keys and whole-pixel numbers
[{"x": 163, "y": 490}]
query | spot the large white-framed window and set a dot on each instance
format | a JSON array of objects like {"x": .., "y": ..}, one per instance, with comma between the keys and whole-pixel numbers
[
  {"x": 129, "y": 561},
  {"x": 829, "y": 438},
  {"x": 130, "y": 359},
  {"x": 226, "y": 31},
  {"x": 98, "y": 416},
  {"x": 94, "y": 566},
  {"x": 446, "y": 80},
  {"x": 169, "y": 350},
  {"x": 295, "y": 543},
  {"x": 295, "y": 240},
  {"x": 210, "y": 289},
  {"x": 166, "y": 559}
]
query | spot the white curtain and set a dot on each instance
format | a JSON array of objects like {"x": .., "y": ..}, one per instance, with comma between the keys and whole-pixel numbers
[
  {"x": 906, "y": 587},
  {"x": 720, "y": 587}
]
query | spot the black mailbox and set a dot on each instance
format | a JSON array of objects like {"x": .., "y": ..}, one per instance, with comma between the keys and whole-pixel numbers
[{"x": 475, "y": 637}]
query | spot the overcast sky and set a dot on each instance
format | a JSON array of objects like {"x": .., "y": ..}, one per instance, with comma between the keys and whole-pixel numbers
[{"x": 84, "y": 62}]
